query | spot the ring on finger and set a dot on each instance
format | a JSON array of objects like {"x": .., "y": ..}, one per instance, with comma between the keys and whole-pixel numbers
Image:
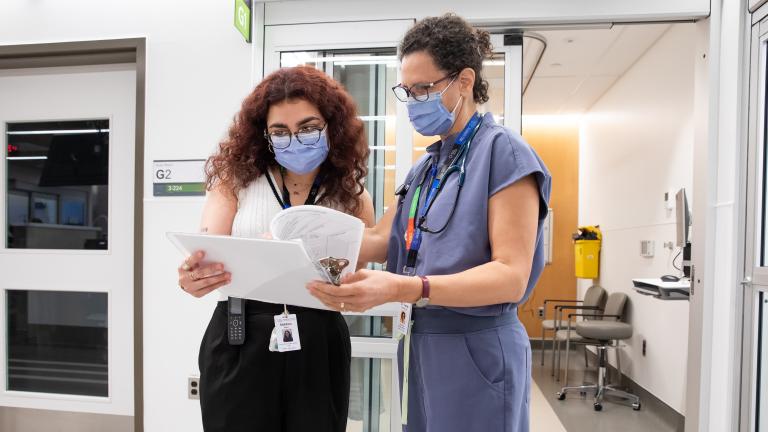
[
  {"x": 186, "y": 266},
  {"x": 342, "y": 305}
]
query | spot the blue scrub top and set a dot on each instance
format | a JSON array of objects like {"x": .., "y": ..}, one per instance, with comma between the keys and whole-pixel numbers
[{"x": 497, "y": 158}]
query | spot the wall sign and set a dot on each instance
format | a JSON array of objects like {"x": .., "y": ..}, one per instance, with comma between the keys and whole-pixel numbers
[
  {"x": 243, "y": 18},
  {"x": 178, "y": 177}
]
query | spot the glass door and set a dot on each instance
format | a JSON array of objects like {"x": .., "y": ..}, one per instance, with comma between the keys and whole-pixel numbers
[
  {"x": 66, "y": 258},
  {"x": 367, "y": 66},
  {"x": 754, "y": 382}
]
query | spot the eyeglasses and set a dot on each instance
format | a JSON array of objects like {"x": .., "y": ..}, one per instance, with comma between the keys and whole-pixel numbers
[
  {"x": 307, "y": 135},
  {"x": 419, "y": 92}
]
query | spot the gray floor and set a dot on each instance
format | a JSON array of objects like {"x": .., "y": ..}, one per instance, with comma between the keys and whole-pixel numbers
[{"x": 577, "y": 413}]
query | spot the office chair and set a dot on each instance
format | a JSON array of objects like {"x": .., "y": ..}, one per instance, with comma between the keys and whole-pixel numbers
[
  {"x": 593, "y": 297},
  {"x": 570, "y": 336},
  {"x": 594, "y": 300},
  {"x": 604, "y": 331}
]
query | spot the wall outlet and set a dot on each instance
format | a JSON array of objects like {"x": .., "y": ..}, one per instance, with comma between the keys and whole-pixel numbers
[
  {"x": 541, "y": 312},
  {"x": 644, "y": 347},
  {"x": 193, "y": 387}
]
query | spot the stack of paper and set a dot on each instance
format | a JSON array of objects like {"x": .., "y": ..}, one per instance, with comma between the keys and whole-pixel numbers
[{"x": 278, "y": 270}]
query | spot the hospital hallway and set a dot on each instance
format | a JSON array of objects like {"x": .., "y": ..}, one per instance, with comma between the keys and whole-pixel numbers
[{"x": 576, "y": 413}]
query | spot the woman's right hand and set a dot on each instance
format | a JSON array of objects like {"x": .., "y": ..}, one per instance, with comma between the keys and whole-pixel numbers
[{"x": 197, "y": 279}]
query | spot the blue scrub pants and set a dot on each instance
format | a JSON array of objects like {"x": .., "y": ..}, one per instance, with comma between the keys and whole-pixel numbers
[{"x": 467, "y": 373}]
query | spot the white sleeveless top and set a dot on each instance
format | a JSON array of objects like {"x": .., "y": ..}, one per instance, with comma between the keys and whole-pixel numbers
[{"x": 256, "y": 206}]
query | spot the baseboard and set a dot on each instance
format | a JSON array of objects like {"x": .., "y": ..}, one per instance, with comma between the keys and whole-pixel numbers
[
  {"x": 668, "y": 414},
  {"x": 37, "y": 420}
]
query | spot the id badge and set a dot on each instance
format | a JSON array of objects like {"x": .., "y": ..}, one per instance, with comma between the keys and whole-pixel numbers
[
  {"x": 404, "y": 319},
  {"x": 287, "y": 333}
]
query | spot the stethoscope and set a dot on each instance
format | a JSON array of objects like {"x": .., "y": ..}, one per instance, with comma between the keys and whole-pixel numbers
[{"x": 457, "y": 165}]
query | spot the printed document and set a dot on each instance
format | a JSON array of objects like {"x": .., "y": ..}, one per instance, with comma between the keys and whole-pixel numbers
[{"x": 277, "y": 270}]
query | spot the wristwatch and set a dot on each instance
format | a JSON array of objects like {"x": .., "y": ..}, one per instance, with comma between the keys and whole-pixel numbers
[{"x": 424, "y": 300}]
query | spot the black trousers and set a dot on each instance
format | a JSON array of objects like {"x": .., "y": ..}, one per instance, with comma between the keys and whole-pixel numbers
[{"x": 249, "y": 388}]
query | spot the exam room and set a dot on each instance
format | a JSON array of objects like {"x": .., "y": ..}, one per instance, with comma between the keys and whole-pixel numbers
[
  {"x": 638, "y": 110},
  {"x": 610, "y": 110}
]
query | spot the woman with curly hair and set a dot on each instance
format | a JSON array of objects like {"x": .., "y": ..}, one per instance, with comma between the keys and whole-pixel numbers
[
  {"x": 464, "y": 243},
  {"x": 296, "y": 140}
]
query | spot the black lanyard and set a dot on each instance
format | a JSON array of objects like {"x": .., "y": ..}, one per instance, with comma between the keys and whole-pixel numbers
[{"x": 285, "y": 200}]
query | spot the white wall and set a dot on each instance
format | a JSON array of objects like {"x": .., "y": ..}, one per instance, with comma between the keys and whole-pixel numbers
[
  {"x": 636, "y": 144},
  {"x": 198, "y": 71}
]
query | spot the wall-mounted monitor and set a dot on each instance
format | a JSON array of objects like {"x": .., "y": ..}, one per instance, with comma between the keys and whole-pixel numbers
[{"x": 682, "y": 218}]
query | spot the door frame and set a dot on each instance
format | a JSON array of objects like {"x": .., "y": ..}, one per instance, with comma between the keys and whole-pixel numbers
[
  {"x": 104, "y": 52},
  {"x": 272, "y": 40},
  {"x": 755, "y": 278},
  {"x": 511, "y": 45},
  {"x": 379, "y": 34}
]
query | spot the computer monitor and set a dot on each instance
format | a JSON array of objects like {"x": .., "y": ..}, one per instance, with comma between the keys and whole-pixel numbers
[
  {"x": 683, "y": 222},
  {"x": 683, "y": 218}
]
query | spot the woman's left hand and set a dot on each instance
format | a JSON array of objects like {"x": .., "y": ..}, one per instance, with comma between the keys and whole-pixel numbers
[{"x": 359, "y": 291}]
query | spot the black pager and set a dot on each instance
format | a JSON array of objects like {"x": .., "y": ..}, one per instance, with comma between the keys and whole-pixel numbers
[{"x": 236, "y": 320}]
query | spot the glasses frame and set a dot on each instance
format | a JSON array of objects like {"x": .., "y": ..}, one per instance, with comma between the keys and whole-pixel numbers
[
  {"x": 291, "y": 134},
  {"x": 426, "y": 86}
]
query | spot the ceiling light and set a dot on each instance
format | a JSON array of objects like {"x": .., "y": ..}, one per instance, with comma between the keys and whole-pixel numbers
[
  {"x": 57, "y": 132},
  {"x": 27, "y": 157}
]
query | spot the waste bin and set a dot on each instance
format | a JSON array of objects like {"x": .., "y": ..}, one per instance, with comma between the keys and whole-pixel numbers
[{"x": 586, "y": 249}]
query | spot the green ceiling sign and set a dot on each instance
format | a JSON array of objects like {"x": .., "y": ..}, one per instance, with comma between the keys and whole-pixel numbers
[{"x": 243, "y": 19}]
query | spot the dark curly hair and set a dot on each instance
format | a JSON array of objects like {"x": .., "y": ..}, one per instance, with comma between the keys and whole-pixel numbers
[
  {"x": 244, "y": 154},
  {"x": 454, "y": 45}
]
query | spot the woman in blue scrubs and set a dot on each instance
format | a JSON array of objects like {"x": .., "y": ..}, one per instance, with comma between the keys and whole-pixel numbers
[{"x": 463, "y": 244}]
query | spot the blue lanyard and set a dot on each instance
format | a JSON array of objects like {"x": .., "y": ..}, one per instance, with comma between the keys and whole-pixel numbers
[{"x": 436, "y": 181}]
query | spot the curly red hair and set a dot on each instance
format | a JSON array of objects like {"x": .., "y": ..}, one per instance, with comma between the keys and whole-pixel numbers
[{"x": 244, "y": 155}]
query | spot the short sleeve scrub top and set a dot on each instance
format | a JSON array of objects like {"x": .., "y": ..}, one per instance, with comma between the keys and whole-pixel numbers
[{"x": 469, "y": 368}]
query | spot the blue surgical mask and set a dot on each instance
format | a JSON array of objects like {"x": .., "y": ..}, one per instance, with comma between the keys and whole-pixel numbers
[
  {"x": 431, "y": 117},
  {"x": 300, "y": 158}
]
